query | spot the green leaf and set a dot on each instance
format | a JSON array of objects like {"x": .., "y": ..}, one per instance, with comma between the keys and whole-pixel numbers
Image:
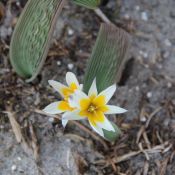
[
  {"x": 91, "y": 4},
  {"x": 106, "y": 62},
  {"x": 110, "y": 135},
  {"x": 31, "y": 38},
  {"x": 107, "y": 57}
]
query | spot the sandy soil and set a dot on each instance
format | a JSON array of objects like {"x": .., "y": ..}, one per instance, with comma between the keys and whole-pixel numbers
[{"x": 146, "y": 89}]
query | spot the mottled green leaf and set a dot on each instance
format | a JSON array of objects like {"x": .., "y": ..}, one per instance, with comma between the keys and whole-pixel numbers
[
  {"x": 91, "y": 4},
  {"x": 106, "y": 62},
  {"x": 110, "y": 135},
  {"x": 107, "y": 57},
  {"x": 31, "y": 38}
]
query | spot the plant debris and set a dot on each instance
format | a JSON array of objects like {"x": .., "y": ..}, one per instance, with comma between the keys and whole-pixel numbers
[{"x": 148, "y": 128}]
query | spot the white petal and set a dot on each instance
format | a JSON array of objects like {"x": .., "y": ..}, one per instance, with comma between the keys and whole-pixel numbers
[
  {"x": 115, "y": 110},
  {"x": 71, "y": 78},
  {"x": 81, "y": 87},
  {"x": 106, "y": 125},
  {"x": 73, "y": 115},
  {"x": 93, "y": 89},
  {"x": 80, "y": 94},
  {"x": 97, "y": 129},
  {"x": 108, "y": 93},
  {"x": 74, "y": 99},
  {"x": 64, "y": 122},
  {"x": 57, "y": 86},
  {"x": 53, "y": 108}
]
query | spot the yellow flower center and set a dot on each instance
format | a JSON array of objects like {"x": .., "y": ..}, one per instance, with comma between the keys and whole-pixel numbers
[
  {"x": 69, "y": 90},
  {"x": 64, "y": 106},
  {"x": 91, "y": 108}
]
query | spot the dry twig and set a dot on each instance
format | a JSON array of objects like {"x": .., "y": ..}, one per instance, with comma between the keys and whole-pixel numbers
[
  {"x": 152, "y": 115},
  {"x": 163, "y": 166},
  {"x": 102, "y": 16},
  {"x": 33, "y": 149},
  {"x": 146, "y": 168},
  {"x": 34, "y": 142},
  {"x": 156, "y": 149},
  {"x": 143, "y": 151}
]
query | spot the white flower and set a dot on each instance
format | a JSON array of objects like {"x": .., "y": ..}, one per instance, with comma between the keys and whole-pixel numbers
[
  {"x": 93, "y": 107},
  {"x": 65, "y": 91}
]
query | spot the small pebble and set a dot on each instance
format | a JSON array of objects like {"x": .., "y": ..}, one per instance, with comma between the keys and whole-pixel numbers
[
  {"x": 146, "y": 66},
  {"x": 137, "y": 88},
  {"x": 173, "y": 101},
  {"x": 130, "y": 90},
  {"x": 144, "y": 16},
  {"x": 67, "y": 140},
  {"x": 2, "y": 127},
  {"x": 58, "y": 63},
  {"x": 70, "y": 32},
  {"x": 70, "y": 66},
  {"x": 19, "y": 158},
  {"x": 137, "y": 7},
  {"x": 18, "y": 3},
  {"x": 169, "y": 85},
  {"x": 13, "y": 168},
  {"x": 51, "y": 119},
  {"x": 166, "y": 55},
  {"x": 144, "y": 85},
  {"x": 160, "y": 66},
  {"x": 9, "y": 31},
  {"x": 126, "y": 16},
  {"x": 167, "y": 42},
  {"x": 149, "y": 94},
  {"x": 143, "y": 119},
  {"x": 166, "y": 122},
  {"x": 144, "y": 54}
]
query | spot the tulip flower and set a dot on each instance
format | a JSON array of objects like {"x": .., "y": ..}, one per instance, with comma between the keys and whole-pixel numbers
[
  {"x": 65, "y": 92},
  {"x": 93, "y": 107}
]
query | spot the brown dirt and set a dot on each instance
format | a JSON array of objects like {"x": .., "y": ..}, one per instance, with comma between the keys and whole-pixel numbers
[{"x": 146, "y": 89}]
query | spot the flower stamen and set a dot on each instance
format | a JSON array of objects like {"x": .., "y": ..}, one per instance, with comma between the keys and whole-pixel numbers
[{"x": 92, "y": 108}]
